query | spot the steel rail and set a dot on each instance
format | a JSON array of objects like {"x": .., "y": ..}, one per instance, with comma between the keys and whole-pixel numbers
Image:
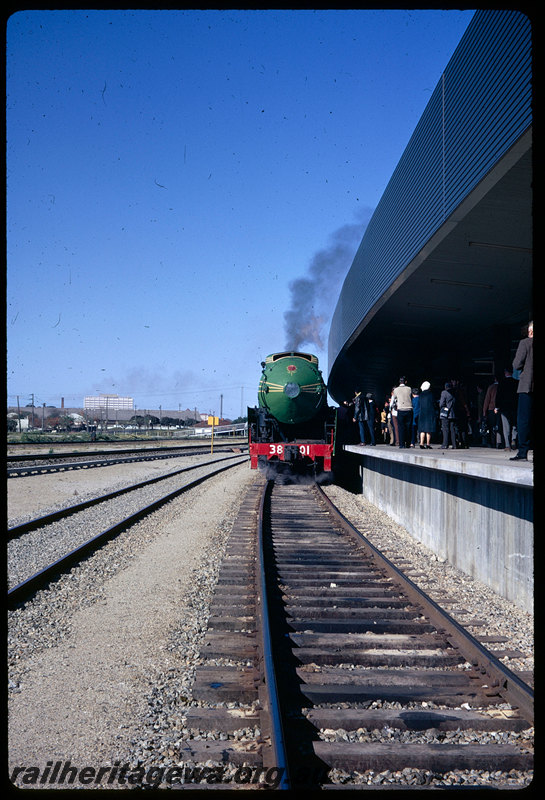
[
  {"x": 62, "y": 466},
  {"x": 15, "y": 457},
  {"x": 25, "y": 589},
  {"x": 270, "y": 685},
  {"x": 110, "y": 459},
  {"x": 122, "y": 451},
  {"x": 47, "y": 519},
  {"x": 502, "y": 678}
]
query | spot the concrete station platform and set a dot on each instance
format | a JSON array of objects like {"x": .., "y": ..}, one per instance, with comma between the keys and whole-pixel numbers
[{"x": 473, "y": 508}]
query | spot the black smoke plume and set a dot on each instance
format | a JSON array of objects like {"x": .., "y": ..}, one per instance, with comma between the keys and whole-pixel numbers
[{"x": 314, "y": 296}]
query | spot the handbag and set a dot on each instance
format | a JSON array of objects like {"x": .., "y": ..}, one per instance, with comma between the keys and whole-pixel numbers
[{"x": 443, "y": 414}]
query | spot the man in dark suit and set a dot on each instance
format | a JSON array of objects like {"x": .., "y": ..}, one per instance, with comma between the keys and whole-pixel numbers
[{"x": 369, "y": 413}]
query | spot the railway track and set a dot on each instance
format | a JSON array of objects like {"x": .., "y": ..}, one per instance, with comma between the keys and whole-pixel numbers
[
  {"x": 42, "y": 542},
  {"x": 352, "y": 672},
  {"x": 18, "y": 530},
  {"x": 45, "y": 463}
]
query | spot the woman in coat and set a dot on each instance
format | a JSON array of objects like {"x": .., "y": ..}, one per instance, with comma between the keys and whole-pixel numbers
[
  {"x": 427, "y": 418},
  {"x": 448, "y": 416}
]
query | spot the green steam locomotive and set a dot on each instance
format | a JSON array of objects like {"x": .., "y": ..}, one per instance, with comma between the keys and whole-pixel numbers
[{"x": 292, "y": 422}]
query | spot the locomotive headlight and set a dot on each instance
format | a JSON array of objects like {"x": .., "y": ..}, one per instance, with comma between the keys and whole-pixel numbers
[{"x": 292, "y": 389}]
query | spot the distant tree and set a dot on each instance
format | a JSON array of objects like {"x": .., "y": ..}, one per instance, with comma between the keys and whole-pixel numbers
[
  {"x": 240, "y": 419},
  {"x": 12, "y": 425},
  {"x": 65, "y": 422}
]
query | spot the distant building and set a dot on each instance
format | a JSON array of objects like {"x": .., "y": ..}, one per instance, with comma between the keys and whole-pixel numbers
[
  {"x": 111, "y": 402},
  {"x": 96, "y": 408}
]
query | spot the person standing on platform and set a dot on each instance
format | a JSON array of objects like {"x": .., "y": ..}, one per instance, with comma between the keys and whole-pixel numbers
[
  {"x": 427, "y": 420},
  {"x": 489, "y": 413},
  {"x": 447, "y": 415},
  {"x": 403, "y": 399},
  {"x": 369, "y": 413},
  {"x": 416, "y": 415},
  {"x": 461, "y": 409},
  {"x": 393, "y": 417},
  {"x": 506, "y": 406},
  {"x": 358, "y": 414},
  {"x": 524, "y": 362},
  {"x": 480, "y": 427},
  {"x": 384, "y": 414}
]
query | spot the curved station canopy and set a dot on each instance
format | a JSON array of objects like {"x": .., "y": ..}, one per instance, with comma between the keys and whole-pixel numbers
[{"x": 441, "y": 285}]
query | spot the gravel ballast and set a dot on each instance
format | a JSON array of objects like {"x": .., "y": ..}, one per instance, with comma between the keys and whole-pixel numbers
[
  {"x": 31, "y": 552},
  {"x": 86, "y": 653},
  {"x": 440, "y": 580},
  {"x": 101, "y": 664}
]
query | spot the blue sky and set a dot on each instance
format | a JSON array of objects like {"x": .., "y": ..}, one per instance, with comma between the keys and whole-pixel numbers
[{"x": 186, "y": 190}]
